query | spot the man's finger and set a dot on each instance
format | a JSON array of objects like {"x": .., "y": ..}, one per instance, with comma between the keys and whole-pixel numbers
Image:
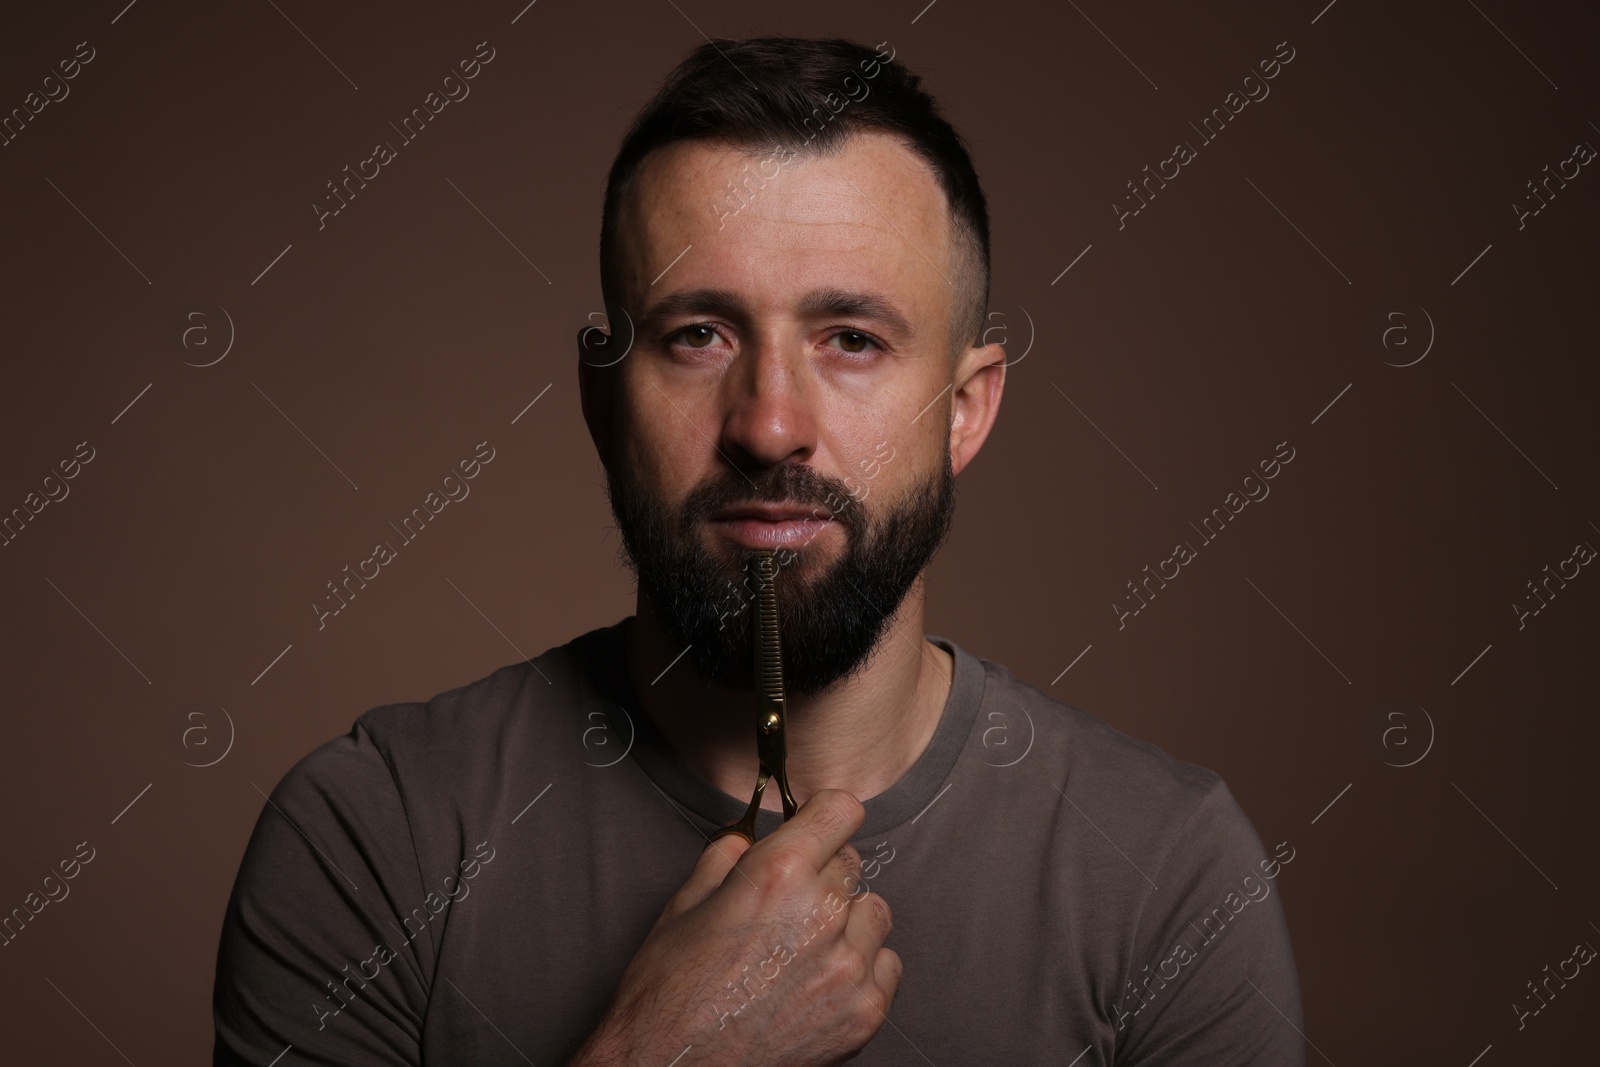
[
  {"x": 822, "y": 826},
  {"x": 867, "y": 924},
  {"x": 886, "y": 970}
]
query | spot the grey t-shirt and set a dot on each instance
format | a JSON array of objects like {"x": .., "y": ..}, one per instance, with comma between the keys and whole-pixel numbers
[{"x": 462, "y": 882}]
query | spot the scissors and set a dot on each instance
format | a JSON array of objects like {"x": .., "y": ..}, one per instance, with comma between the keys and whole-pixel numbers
[{"x": 771, "y": 748}]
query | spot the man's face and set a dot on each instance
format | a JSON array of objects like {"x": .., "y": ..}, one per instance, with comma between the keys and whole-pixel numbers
[{"x": 788, "y": 388}]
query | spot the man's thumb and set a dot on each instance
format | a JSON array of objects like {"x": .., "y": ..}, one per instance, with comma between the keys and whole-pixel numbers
[{"x": 709, "y": 871}]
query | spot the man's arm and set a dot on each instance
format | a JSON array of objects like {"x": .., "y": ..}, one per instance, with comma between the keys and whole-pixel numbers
[
  {"x": 1212, "y": 978},
  {"x": 317, "y": 950}
]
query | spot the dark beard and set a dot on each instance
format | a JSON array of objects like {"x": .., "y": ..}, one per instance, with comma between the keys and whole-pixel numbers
[{"x": 830, "y": 621}]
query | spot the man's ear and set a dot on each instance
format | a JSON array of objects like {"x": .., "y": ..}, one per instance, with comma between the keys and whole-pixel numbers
[{"x": 980, "y": 379}]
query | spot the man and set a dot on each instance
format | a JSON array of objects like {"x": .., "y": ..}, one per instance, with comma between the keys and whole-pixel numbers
[{"x": 794, "y": 255}]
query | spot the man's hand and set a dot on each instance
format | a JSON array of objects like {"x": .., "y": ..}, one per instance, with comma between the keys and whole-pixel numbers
[{"x": 770, "y": 953}]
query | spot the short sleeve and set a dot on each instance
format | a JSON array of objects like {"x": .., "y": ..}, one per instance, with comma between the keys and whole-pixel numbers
[
  {"x": 325, "y": 944},
  {"x": 1212, "y": 977}
]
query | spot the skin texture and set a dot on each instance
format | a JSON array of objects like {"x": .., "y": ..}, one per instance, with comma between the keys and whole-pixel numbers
[{"x": 756, "y": 382}]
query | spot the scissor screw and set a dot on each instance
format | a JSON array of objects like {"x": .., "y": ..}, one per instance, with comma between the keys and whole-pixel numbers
[{"x": 770, "y": 722}]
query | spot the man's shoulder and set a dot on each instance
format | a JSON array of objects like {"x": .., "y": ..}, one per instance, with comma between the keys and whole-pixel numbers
[
  {"x": 1125, "y": 802},
  {"x": 427, "y": 772},
  {"x": 475, "y": 716},
  {"x": 1096, "y": 757},
  {"x": 1103, "y": 783}
]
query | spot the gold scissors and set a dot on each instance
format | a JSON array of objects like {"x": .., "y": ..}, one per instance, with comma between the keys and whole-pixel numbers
[{"x": 771, "y": 749}]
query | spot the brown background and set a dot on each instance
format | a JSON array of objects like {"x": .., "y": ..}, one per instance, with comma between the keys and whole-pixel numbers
[{"x": 1196, "y": 339}]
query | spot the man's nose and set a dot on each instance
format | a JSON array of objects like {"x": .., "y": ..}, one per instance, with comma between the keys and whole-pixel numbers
[{"x": 768, "y": 400}]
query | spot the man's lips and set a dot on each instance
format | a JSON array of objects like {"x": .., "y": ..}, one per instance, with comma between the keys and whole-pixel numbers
[
  {"x": 773, "y": 512},
  {"x": 772, "y": 525}
]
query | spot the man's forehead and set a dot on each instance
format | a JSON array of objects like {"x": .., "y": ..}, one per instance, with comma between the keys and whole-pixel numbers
[{"x": 868, "y": 217}]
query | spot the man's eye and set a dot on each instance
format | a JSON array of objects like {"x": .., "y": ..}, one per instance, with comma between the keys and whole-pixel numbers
[
  {"x": 854, "y": 341},
  {"x": 698, "y": 336}
]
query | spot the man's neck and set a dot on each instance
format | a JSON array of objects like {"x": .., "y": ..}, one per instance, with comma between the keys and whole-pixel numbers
[{"x": 862, "y": 735}]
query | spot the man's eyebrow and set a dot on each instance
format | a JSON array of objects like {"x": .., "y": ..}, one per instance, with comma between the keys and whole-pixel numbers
[
  {"x": 845, "y": 302},
  {"x": 816, "y": 303},
  {"x": 693, "y": 302}
]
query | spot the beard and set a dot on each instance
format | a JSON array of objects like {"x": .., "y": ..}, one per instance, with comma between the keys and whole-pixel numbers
[{"x": 830, "y": 616}]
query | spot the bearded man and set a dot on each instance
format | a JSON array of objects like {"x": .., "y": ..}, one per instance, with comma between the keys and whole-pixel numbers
[{"x": 794, "y": 257}]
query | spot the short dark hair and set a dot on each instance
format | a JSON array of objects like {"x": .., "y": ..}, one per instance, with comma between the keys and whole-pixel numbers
[{"x": 776, "y": 92}]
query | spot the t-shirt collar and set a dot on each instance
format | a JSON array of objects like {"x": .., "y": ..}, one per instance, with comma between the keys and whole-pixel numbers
[{"x": 904, "y": 800}]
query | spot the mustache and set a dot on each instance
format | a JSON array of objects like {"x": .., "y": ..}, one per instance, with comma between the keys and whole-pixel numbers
[{"x": 787, "y": 483}]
